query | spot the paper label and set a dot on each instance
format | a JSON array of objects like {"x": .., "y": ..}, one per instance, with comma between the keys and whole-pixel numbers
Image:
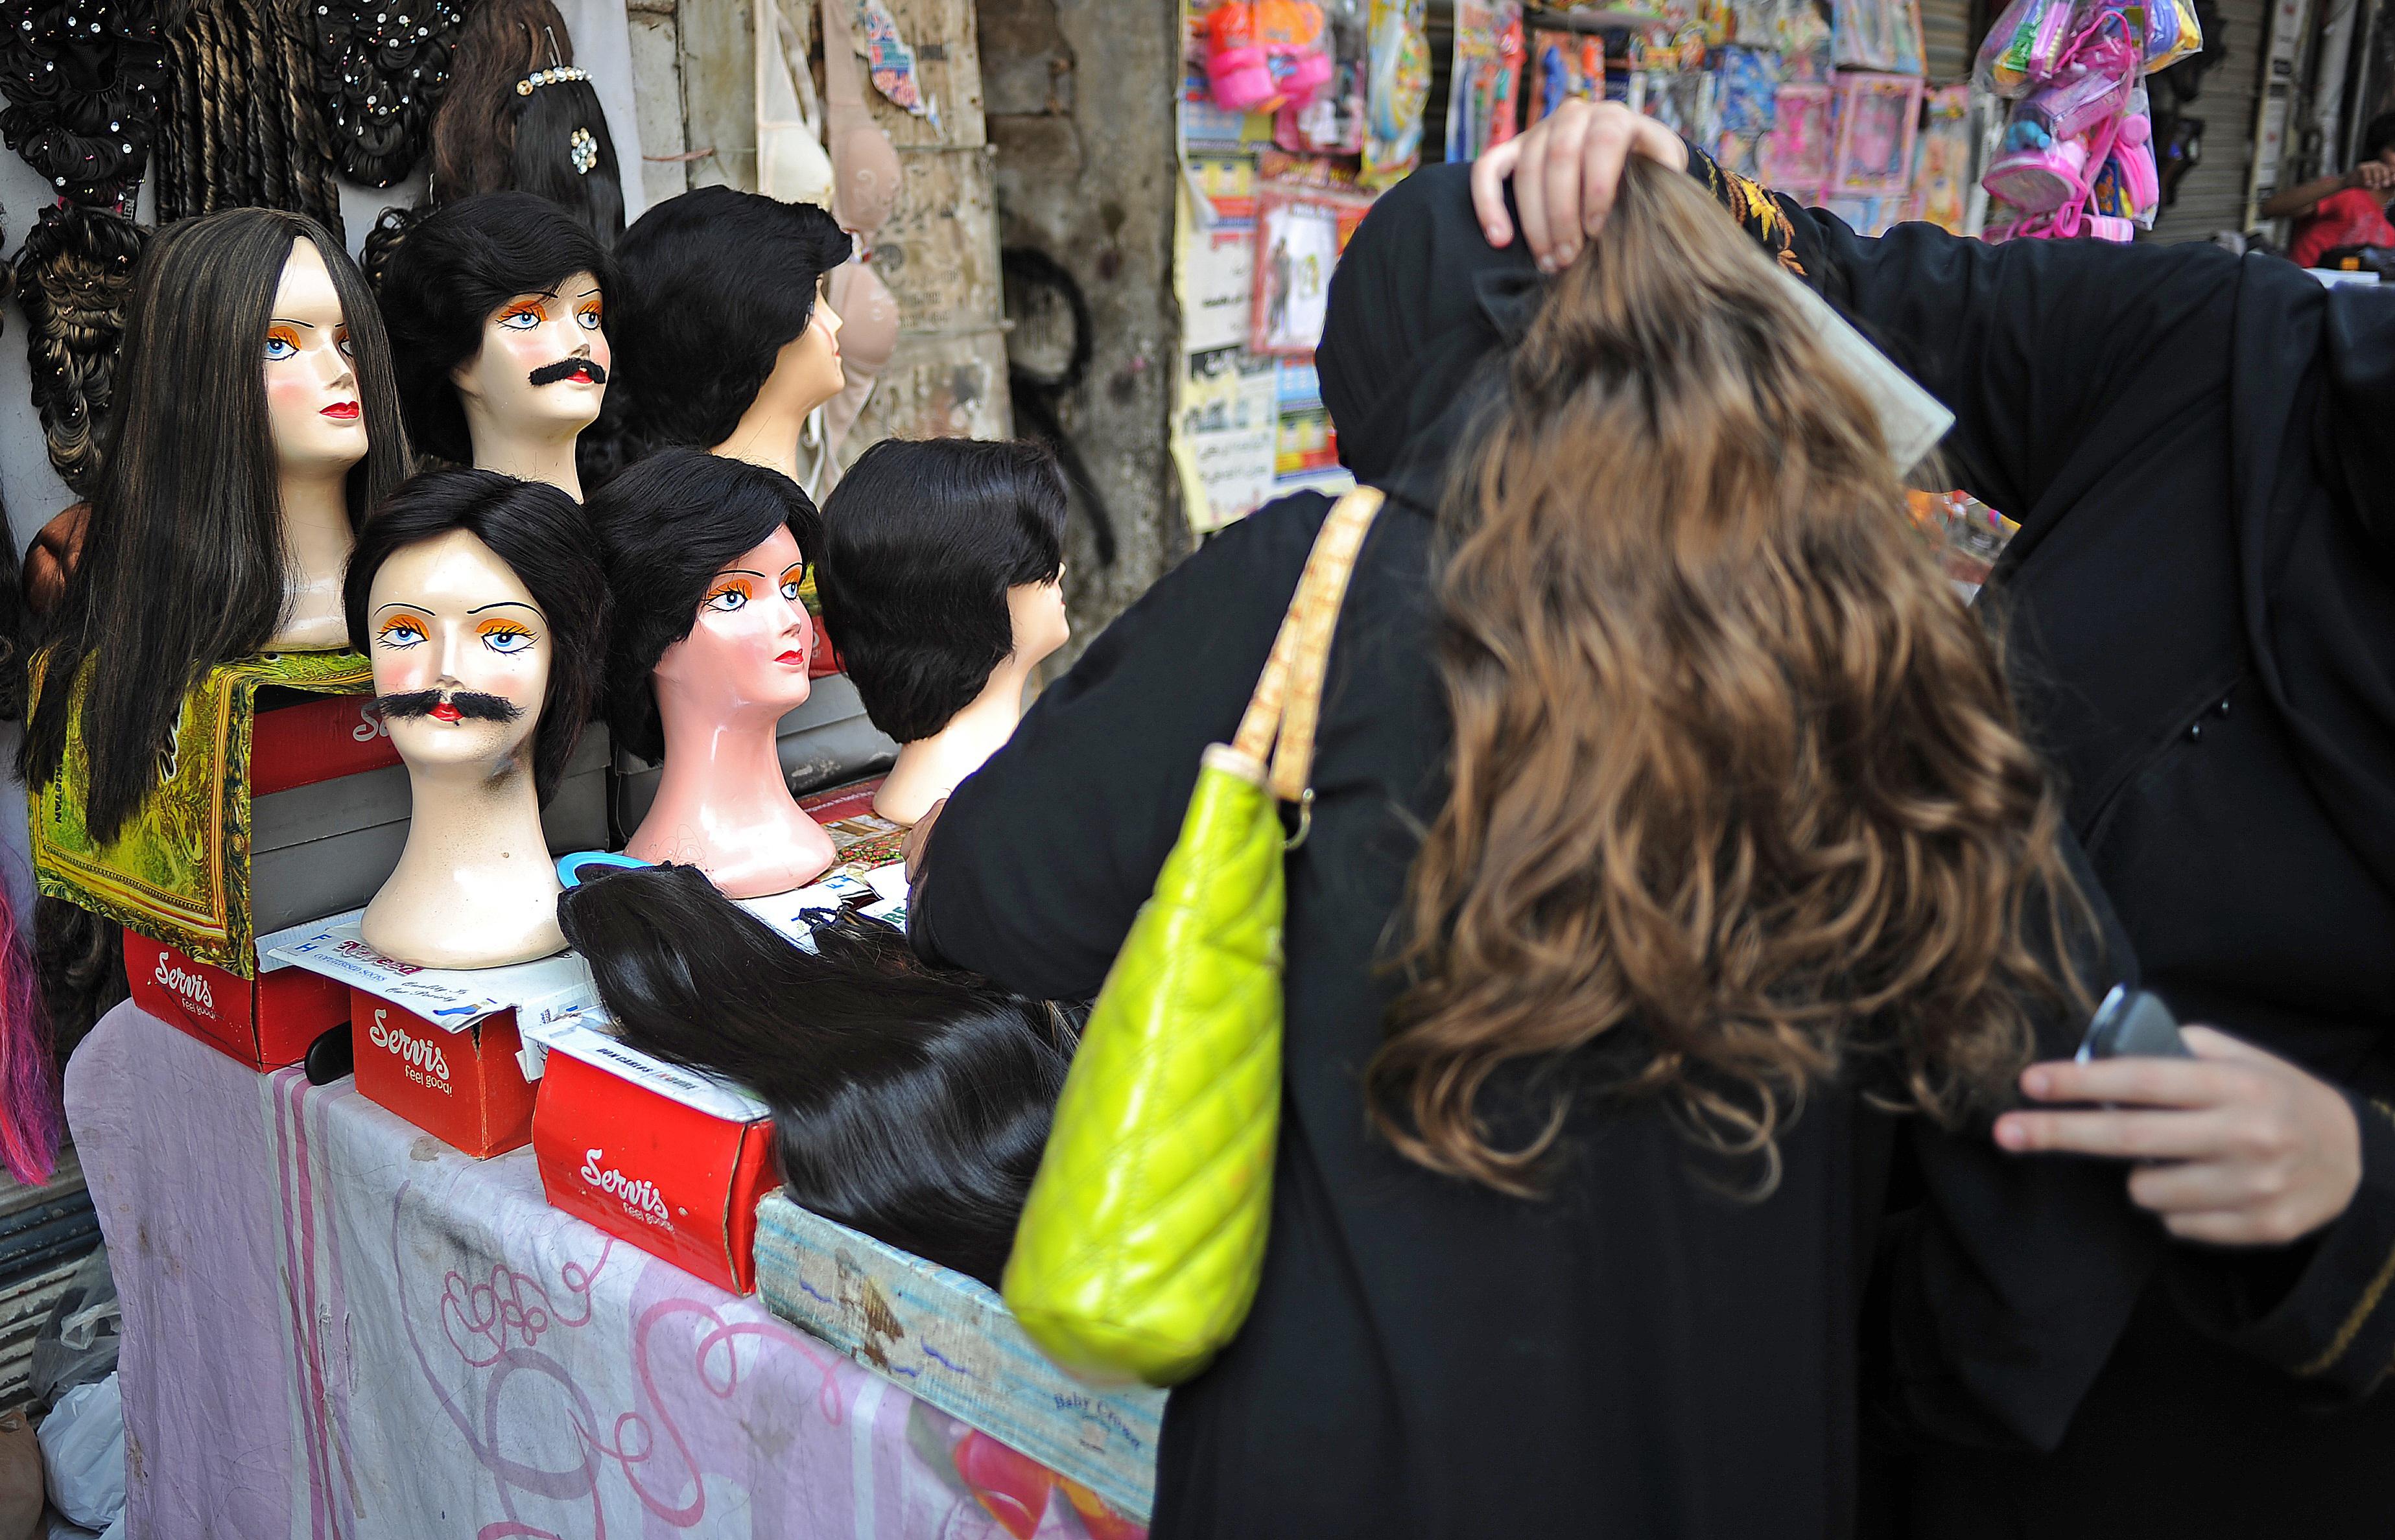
[{"x": 452, "y": 999}]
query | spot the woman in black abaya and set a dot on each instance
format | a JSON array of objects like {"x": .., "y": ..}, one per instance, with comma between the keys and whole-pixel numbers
[
  {"x": 1652, "y": 1346},
  {"x": 2201, "y": 609}
]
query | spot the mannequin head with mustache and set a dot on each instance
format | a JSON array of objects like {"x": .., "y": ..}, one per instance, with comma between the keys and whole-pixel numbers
[{"x": 496, "y": 305}]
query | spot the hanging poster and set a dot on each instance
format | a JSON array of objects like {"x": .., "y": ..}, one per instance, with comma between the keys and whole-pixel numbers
[
  {"x": 1796, "y": 154},
  {"x": 1876, "y": 115},
  {"x": 1877, "y": 35},
  {"x": 1227, "y": 434},
  {"x": 1296, "y": 247}
]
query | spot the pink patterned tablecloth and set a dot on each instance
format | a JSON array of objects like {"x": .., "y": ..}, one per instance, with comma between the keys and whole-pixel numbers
[{"x": 338, "y": 1326}]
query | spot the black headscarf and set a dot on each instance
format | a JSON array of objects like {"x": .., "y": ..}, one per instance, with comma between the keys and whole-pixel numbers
[{"x": 1421, "y": 313}]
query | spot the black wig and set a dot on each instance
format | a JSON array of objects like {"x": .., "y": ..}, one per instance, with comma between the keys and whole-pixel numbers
[
  {"x": 381, "y": 68},
  {"x": 519, "y": 116},
  {"x": 712, "y": 285},
  {"x": 909, "y": 1102},
  {"x": 923, "y": 539},
  {"x": 540, "y": 533},
  {"x": 665, "y": 528},
  {"x": 442, "y": 283},
  {"x": 183, "y": 564}
]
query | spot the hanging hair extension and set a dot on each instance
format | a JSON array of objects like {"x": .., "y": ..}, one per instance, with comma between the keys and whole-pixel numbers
[
  {"x": 518, "y": 116},
  {"x": 82, "y": 82},
  {"x": 909, "y": 1102},
  {"x": 382, "y": 243},
  {"x": 381, "y": 68},
  {"x": 246, "y": 128},
  {"x": 79, "y": 965},
  {"x": 74, "y": 278},
  {"x": 30, "y": 1113}
]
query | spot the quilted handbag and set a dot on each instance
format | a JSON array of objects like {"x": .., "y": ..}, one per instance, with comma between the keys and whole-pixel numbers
[{"x": 1142, "y": 1239}]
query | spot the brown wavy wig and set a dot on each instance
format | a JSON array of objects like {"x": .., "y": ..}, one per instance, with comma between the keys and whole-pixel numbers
[{"x": 1737, "y": 787}]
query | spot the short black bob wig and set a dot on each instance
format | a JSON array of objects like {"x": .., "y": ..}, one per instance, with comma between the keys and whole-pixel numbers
[
  {"x": 183, "y": 565},
  {"x": 924, "y": 539},
  {"x": 713, "y": 285},
  {"x": 539, "y": 532},
  {"x": 909, "y": 1102},
  {"x": 457, "y": 266},
  {"x": 666, "y": 527}
]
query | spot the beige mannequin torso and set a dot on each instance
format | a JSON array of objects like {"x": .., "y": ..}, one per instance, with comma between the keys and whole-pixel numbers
[
  {"x": 316, "y": 543},
  {"x": 723, "y": 807},
  {"x": 476, "y": 887}
]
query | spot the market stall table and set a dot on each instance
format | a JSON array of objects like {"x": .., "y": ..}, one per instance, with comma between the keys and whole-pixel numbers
[{"x": 336, "y": 1325}]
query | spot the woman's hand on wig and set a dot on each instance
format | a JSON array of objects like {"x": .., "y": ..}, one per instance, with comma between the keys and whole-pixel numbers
[
  {"x": 1565, "y": 171},
  {"x": 917, "y": 838},
  {"x": 2237, "y": 1147}
]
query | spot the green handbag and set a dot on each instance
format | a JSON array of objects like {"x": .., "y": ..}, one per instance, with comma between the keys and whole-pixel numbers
[{"x": 1142, "y": 1239}]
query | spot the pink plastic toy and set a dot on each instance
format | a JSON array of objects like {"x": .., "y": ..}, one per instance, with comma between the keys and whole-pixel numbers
[{"x": 1261, "y": 54}]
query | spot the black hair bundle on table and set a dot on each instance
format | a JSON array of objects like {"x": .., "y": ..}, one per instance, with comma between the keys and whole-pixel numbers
[{"x": 909, "y": 1102}]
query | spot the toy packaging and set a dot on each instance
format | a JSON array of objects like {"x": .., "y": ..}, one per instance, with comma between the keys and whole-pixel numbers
[
  {"x": 1564, "y": 65},
  {"x": 1481, "y": 108},
  {"x": 2076, "y": 157},
  {"x": 1400, "y": 86}
]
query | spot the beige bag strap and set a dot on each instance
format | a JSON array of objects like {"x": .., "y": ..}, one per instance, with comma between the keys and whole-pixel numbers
[{"x": 1282, "y": 714}]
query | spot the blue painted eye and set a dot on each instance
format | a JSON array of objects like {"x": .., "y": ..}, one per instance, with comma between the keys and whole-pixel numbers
[
  {"x": 522, "y": 320},
  {"x": 790, "y": 589},
  {"x": 401, "y": 633},
  {"x": 505, "y": 643},
  {"x": 727, "y": 599},
  {"x": 587, "y": 320},
  {"x": 280, "y": 347}
]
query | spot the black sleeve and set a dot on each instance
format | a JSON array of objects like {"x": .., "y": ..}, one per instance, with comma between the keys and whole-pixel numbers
[
  {"x": 2322, "y": 1311},
  {"x": 1042, "y": 857},
  {"x": 2037, "y": 347},
  {"x": 2007, "y": 1285}
]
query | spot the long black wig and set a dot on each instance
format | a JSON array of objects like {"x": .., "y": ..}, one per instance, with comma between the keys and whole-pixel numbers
[
  {"x": 520, "y": 116},
  {"x": 909, "y": 1102},
  {"x": 665, "y": 528},
  {"x": 923, "y": 538},
  {"x": 183, "y": 565},
  {"x": 442, "y": 284},
  {"x": 539, "y": 532},
  {"x": 710, "y": 286}
]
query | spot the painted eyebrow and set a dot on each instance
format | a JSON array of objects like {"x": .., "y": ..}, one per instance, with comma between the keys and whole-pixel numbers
[
  {"x": 406, "y": 604},
  {"x": 505, "y": 604},
  {"x": 739, "y": 571},
  {"x": 287, "y": 321},
  {"x": 591, "y": 290}
]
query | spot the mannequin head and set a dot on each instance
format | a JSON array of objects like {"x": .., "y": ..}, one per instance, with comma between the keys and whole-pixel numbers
[
  {"x": 186, "y": 562},
  {"x": 485, "y": 617},
  {"x": 944, "y": 559},
  {"x": 705, "y": 556},
  {"x": 719, "y": 304},
  {"x": 518, "y": 116},
  {"x": 484, "y": 298}
]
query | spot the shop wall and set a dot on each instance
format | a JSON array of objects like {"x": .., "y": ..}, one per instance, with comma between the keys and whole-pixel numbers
[
  {"x": 1080, "y": 96},
  {"x": 2213, "y": 196}
]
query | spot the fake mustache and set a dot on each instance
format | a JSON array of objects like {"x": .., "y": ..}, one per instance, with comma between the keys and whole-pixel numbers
[
  {"x": 566, "y": 368},
  {"x": 470, "y": 705}
]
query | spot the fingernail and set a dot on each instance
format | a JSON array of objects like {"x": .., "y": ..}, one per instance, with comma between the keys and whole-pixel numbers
[
  {"x": 1564, "y": 257},
  {"x": 1496, "y": 234},
  {"x": 2036, "y": 1082},
  {"x": 2009, "y": 1133},
  {"x": 1546, "y": 263}
]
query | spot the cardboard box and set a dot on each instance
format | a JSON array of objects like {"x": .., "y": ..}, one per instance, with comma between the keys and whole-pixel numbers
[
  {"x": 826, "y": 740},
  {"x": 266, "y": 1023},
  {"x": 438, "y": 1047},
  {"x": 667, "y": 1159},
  {"x": 464, "y": 1086},
  {"x": 950, "y": 1341},
  {"x": 317, "y": 738}
]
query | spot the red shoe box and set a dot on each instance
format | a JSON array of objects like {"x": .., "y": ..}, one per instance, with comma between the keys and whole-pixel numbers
[
  {"x": 654, "y": 1155},
  {"x": 267, "y": 1023},
  {"x": 316, "y": 740},
  {"x": 463, "y": 1085}
]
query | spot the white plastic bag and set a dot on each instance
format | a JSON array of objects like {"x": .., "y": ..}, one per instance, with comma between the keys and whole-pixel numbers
[{"x": 83, "y": 1454}]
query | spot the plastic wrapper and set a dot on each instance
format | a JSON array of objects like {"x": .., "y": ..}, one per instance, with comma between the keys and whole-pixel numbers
[{"x": 83, "y": 1455}]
